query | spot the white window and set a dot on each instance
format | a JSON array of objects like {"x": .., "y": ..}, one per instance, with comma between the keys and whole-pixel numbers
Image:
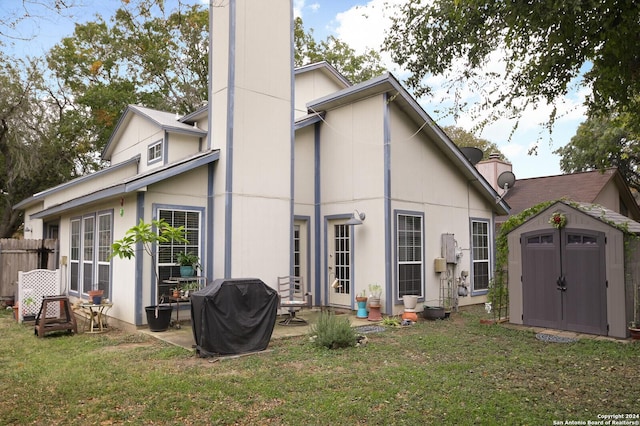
[
  {"x": 409, "y": 253},
  {"x": 167, "y": 252},
  {"x": 154, "y": 152},
  {"x": 90, "y": 247},
  {"x": 480, "y": 255}
]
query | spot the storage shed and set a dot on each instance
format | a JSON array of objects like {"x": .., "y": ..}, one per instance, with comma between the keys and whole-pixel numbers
[{"x": 571, "y": 267}]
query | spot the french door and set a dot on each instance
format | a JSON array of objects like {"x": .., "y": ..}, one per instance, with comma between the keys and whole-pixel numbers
[{"x": 339, "y": 263}]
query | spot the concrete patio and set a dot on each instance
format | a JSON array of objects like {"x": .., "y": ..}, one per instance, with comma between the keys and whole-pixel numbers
[{"x": 183, "y": 336}]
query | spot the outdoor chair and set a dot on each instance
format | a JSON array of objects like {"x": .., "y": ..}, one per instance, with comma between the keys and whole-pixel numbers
[{"x": 293, "y": 297}]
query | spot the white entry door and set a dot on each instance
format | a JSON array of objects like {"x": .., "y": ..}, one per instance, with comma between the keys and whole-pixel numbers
[{"x": 339, "y": 263}]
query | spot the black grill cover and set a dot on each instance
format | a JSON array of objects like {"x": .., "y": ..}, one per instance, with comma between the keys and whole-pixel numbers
[{"x": 233, "y": 316}]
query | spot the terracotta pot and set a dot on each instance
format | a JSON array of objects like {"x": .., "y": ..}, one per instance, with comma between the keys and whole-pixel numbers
[
  {"x": 96, "y": 296},
  {"x": 635, "y": 333}
]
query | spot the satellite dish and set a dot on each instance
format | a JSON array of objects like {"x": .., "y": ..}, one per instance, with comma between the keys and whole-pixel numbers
[
  {"x": 473, "y": 154},
  {"x": 506, "y": 180}
]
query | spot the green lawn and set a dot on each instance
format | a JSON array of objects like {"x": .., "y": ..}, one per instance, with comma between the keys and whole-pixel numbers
[{"x": 456, "y": 371}]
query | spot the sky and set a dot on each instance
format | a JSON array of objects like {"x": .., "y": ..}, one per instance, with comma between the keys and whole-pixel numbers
[{"x": 361, "y": 24}]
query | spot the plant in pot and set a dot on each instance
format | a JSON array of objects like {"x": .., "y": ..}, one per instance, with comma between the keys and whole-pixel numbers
[
  {"x": 188, "y": 262},
  {"x": 147, "y": 235},
  {"x": 175, "y": 292},
  {"x": 95, "y": 296},
  {"x": 375, "y": 292},
  {"x": 29, "y": 313},
  {"x": 361, "y": 299}
]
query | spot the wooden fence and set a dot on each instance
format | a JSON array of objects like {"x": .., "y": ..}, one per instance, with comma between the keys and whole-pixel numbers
[{"x": 24, "y": 255}]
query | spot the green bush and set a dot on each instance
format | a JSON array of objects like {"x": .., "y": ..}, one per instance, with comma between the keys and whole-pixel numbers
[{"x": 332, "y": 332}]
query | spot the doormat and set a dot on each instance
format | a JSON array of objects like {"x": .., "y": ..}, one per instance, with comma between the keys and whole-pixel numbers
[
  {"x": 364, "y": 329},
  {"x": 552, "y": 338}
]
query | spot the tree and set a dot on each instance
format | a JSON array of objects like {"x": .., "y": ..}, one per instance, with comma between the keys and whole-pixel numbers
[
  {"x": 356, "y": 68},
  {"x": 157, "y": 61},
  {"x": 463, "y": 138},
  {"x": 32, "y": 156},
  {"x": 29, "y": 9},
  {"x": 602, "y": 142},
  {"x": 544, "y": 44}
]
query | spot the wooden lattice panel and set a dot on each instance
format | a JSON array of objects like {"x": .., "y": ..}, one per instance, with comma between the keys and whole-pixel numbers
[{"x": 33, "y": 286}]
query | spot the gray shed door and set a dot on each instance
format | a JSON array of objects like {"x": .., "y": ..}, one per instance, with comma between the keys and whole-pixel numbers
[{"x": 563, "y": 280}]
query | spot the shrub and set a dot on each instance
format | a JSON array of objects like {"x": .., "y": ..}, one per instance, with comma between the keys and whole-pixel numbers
[{"x": 332, "y": 332}]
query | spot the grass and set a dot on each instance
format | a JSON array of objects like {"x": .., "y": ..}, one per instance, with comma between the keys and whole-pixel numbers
[{"x": 444, "y": 372}]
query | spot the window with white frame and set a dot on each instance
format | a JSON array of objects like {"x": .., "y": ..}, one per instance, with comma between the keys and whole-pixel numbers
[
  {"x": 167, "y": 252},
  {"x": 409, "y": 254},
  {"x": 74, "y": 256},
  {"x": 90, "y": 245},
  {"x": 154, "y": 152},
  {"x": 480, "y": 255}
]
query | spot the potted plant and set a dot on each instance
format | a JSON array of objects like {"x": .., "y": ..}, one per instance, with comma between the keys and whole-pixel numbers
[
  {"x": 189, "y": 287},
  {"x": 95, "y": 296},
  {"x": 375, "y": 292},
  {"x": 188, "y": 262},
  {"x": 29, "y": 313},
  {"x": 362, "y": 305},
  {"x": 149, "y": 234}
]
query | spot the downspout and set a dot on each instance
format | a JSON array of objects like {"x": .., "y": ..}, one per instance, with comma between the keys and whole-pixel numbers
[
  {"x": 389, "y": 290},
  {"x": 317, "y": 228}
]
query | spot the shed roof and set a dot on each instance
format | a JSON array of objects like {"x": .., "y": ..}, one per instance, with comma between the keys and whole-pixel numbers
[{"x": 609, "y": 216}]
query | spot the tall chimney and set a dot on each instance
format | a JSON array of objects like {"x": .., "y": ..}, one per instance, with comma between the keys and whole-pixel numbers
[{"x": 251, "y": 123}]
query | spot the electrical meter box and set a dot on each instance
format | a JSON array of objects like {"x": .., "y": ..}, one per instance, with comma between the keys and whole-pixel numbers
[{"x": 449, "y": 248}]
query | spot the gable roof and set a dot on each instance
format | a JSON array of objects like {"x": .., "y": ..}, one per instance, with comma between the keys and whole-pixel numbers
[
  {"x": 167, "y": 121},
  {"x": 603, "y": 214},
  {"x": 131, "y": 184},
  {"x": 387, "y": 83},
  {"x": 328, "y": 69},
  {"x": 580, "y": 187}
]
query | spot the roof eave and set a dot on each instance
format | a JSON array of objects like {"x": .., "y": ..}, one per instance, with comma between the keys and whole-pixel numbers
[
  {"x": 132, "y": 184},
  {"x": 41, "y": 195}
]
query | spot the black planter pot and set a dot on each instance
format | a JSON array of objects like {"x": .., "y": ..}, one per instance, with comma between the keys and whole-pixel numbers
[
  {"x": 433, "y": 312},
  {"x": 163, "y": 319}
]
